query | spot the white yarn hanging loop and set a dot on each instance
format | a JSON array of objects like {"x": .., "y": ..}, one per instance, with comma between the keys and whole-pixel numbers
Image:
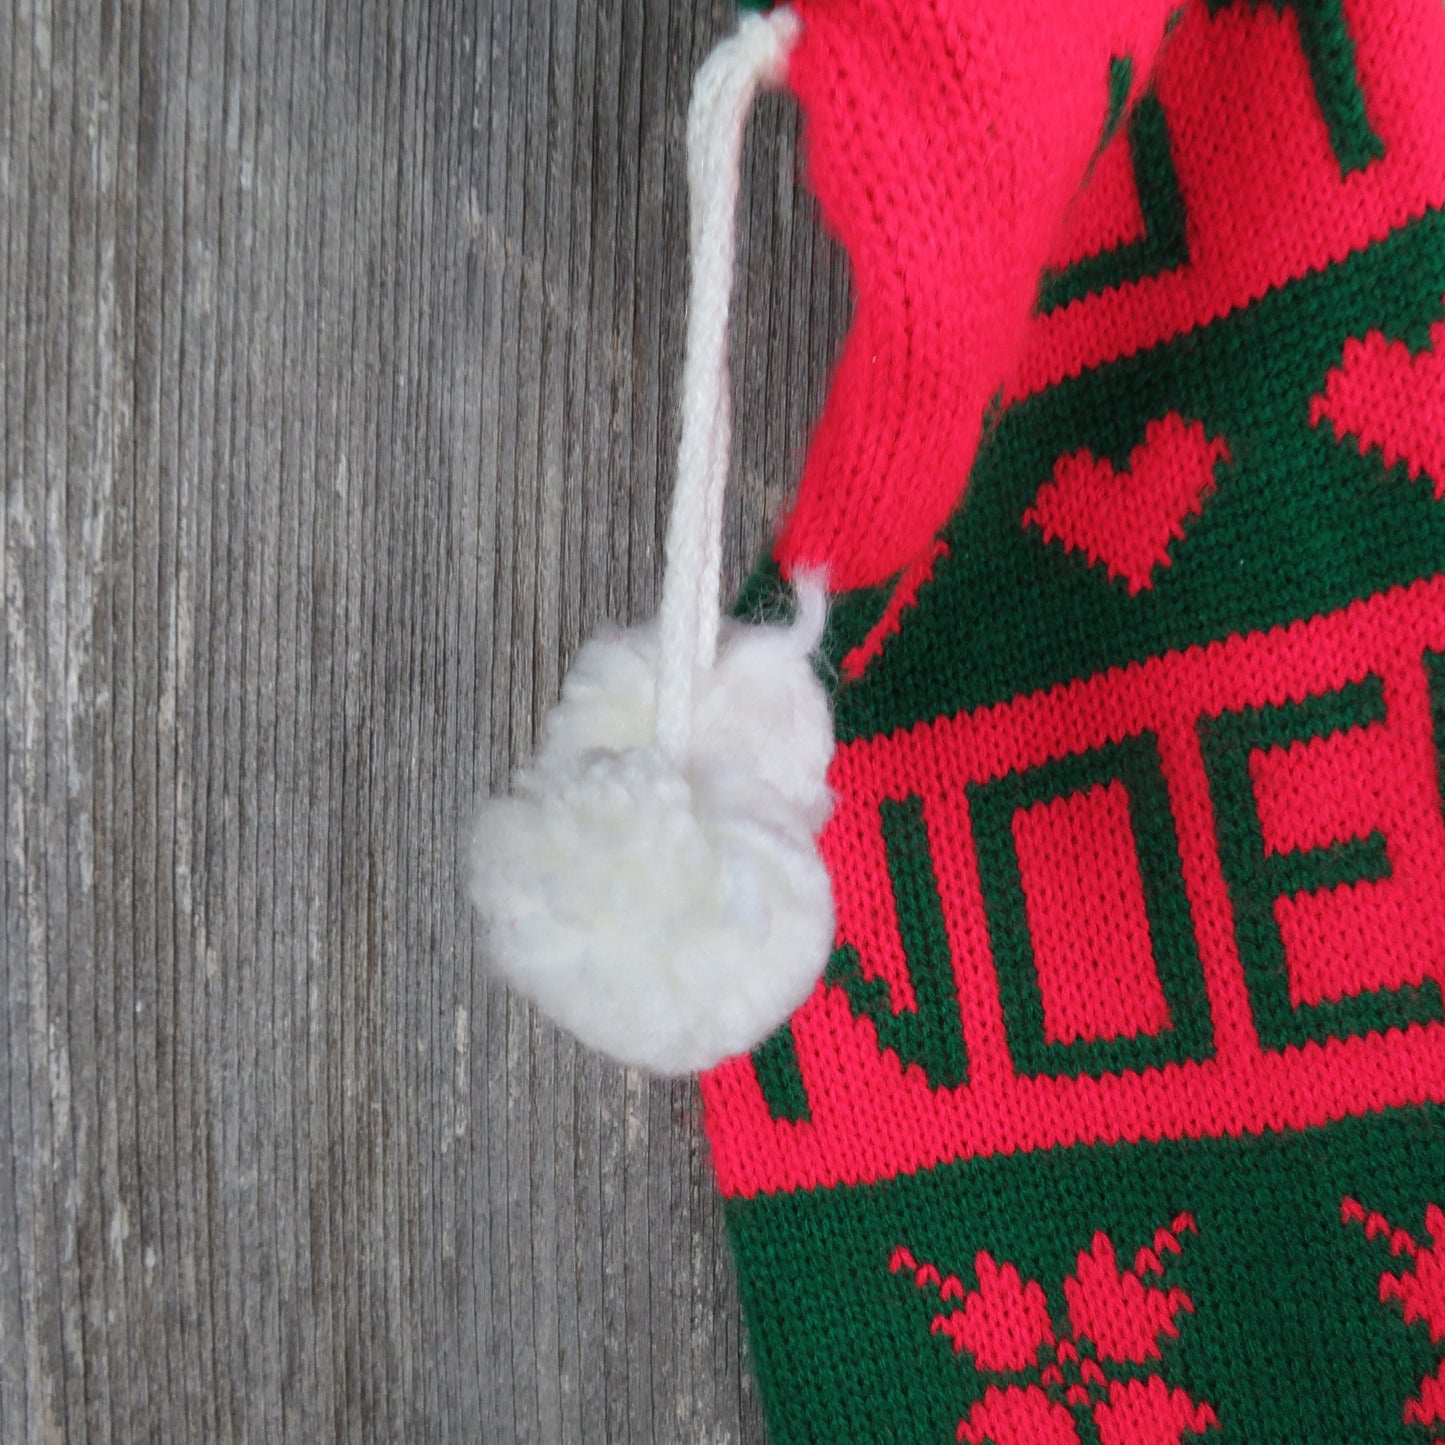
[
  {"x": 653, "y": 882},
  {"x": 722, "y": 97}
]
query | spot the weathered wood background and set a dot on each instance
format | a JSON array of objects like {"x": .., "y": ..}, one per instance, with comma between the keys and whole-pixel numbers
[{"x": 338, "y": 366}]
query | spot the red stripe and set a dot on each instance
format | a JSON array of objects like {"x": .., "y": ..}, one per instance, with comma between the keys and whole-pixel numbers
[{"x": 871, "y": 1120}]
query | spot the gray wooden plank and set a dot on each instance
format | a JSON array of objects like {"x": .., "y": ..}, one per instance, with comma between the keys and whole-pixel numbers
[
  {"x": 338, "y": 373},
  {"x": 14, "y": 1408}
]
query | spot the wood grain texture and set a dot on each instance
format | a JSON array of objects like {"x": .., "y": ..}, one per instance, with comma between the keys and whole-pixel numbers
[{"x": 338, "y": 373}]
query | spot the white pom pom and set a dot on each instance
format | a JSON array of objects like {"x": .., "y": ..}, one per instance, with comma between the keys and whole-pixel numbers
[
  {"x": 668, "y": 915},
  {"x": 652, "y": 881}
]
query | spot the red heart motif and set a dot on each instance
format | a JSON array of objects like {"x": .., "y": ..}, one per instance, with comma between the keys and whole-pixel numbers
[
  {"x": 1384, "y": 397},
  {"x": 1125, "y": 521}
]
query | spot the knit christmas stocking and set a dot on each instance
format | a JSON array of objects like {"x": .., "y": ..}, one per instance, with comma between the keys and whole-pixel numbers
[{"x": 1117, "y": 1116}]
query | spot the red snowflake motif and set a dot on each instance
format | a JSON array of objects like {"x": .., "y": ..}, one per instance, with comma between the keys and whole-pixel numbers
[
  {"x": 1116, "y": 1320},
  {"x": 1419, "y": 1290}
]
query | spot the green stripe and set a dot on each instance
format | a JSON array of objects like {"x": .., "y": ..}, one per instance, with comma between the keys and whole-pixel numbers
[
  {"x": 780, "y": 1078},
  {"x": 1330, "y": 49},
  {"x": 1435, "y": 673},
  {"x": 1300, "y": 524},
  {"x": 1164, "y": 244},
  {"x": 932, "y": 1035}
]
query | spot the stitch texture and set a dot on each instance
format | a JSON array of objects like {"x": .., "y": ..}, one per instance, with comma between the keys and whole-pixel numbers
[{"x": 1138, "y": 845}]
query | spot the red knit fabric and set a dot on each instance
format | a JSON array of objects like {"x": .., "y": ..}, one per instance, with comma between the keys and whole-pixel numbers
[
  {"x": 873, "y": 1116},
  {"x": 1257, "y": 222},
  {"x": 944, "y": 141},
  {"x": 1119, "y": 1113}
]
